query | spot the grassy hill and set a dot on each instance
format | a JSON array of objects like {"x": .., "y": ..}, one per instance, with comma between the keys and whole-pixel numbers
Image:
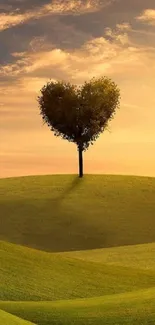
[
  {"x": 28, "y": 274},
  {"x": 137, "y": 256},
  {"x": 135, "y": 308},
  {"x": 60, "y": 257},
  {"x": 117, "y": 294},
  {"x": 7, "y": 319},
  {"x": 64, "y": 213}
]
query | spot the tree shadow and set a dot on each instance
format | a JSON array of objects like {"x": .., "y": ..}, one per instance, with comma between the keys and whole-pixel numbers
[
  {"x": 52, "y": 224},
  {"x": 74, "y": 185}
]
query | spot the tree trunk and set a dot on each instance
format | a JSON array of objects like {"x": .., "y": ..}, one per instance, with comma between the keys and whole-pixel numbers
[{"x": 80, "y": 162}]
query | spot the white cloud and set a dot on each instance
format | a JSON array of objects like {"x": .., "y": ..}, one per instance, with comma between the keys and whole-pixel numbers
[{"x": 148, "y": 16}]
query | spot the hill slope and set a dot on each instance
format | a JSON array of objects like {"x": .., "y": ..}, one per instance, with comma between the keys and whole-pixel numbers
[
  {"x": 28, "y": 274},
  {"x": 8, "y": 319},
  {"x": 136, "y": 308},
  {"x": 63, "y": 213},
  {"x": 135, "y": 256}
]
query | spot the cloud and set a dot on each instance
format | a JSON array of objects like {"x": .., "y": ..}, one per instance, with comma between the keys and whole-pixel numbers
[
  {"x": 124, "y": 26},
  {"x": 23, "y": 79},
  {"x": 148, "y": 16},
  {"x": 37, "y": 43},
  {"x": 122, "y": 61},
  {"x": 10, "y": 20},
  {"x": 59, "y": 7},
  {"x": 118, "y": 34},
  {"x": 112, "y": 54}
]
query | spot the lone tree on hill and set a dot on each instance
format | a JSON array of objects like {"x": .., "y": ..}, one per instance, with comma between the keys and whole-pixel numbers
[{"x": 79, "y": 113}]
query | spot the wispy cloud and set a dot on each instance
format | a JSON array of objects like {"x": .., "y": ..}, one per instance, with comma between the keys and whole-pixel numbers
[
  {"x": 113, "y": 54},
  {"x": 75, "y": 7},
  {"x": 147, "y": 16},
  {"x": 124, "y": 26},
  {"x": 107, "y": 55}
]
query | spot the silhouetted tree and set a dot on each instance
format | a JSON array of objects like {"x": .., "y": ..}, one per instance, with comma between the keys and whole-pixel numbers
[{"x": 79, "y": 113}]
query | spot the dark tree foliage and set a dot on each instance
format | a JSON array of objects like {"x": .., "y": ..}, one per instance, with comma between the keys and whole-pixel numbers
[{"x": 79, "y": 113}]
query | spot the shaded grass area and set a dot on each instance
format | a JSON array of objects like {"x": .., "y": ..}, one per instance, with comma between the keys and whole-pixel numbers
[
  {"x": 28, "y": 274},
  {"x": 64, "y": 213},
  {"x": 136, "y": 308},
  {"x": 8, "y": 319}
]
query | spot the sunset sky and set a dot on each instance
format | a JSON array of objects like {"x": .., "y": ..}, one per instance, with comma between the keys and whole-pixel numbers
[{"x": 74, "y": 41}]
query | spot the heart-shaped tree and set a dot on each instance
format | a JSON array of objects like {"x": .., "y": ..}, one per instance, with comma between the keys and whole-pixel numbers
[{"x": 79, "y": 113}]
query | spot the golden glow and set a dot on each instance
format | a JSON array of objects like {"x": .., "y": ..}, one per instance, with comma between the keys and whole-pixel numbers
[{"x": 28, "y": 147}]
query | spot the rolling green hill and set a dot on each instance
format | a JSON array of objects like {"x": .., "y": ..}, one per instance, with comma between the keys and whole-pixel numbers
[
  {"x": 7, "y": 319},
  {"x": 28, "y": 274},
  {"x": 135, "y": 308},
  {"x": 60, "y": 257},
  {"x": 135, "y": 256},
  {"x": 64, "y": 213},
  {"x": 121, "y": 293}
]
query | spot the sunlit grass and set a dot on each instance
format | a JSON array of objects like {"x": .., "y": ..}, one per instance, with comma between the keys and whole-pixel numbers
[
  {"x": 69, "y": 253},
  {"x": 64, "y": 213}
]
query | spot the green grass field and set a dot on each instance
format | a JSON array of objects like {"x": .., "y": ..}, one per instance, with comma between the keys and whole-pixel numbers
[
  {"x": 77, "y": 251},
  {"x": 64, "y": 213},
  {"x": 7, "y": 319},
  {"x": 28, "y": 274},
  {"x": 130, "y": 308}
]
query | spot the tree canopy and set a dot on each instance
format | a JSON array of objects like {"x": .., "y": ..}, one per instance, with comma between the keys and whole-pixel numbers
[{"x": 79, "y": 113}]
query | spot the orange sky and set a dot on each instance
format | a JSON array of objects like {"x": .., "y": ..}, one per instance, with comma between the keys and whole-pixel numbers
[{"x": 74, "y": 41}]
